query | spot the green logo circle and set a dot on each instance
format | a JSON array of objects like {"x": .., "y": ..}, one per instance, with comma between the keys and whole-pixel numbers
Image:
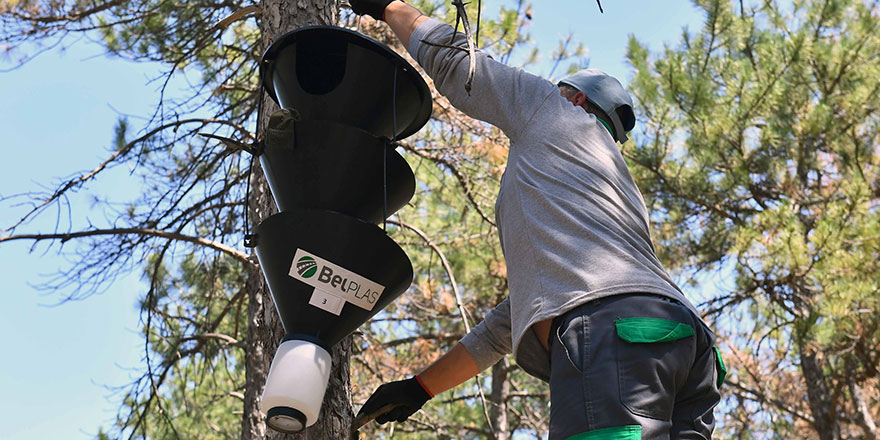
[{"x": 306, "y": 267}]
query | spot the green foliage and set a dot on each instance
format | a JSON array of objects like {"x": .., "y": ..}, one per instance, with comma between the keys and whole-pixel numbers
[
  {"x": 195, "y": 326},
  {"x": 758, "y": 151},
  {"x": 102, "y": 435}
]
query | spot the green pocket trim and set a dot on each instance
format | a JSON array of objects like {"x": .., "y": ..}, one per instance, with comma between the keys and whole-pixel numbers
[
  {"x": 722, "y": 369},
  {"x": 628, "y": 432},
  {"x": 651, "y": 330}
]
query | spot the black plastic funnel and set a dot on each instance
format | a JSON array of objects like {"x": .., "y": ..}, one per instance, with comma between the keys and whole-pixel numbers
[
  {"x": 329, "y": 273},
  {"x": 334, "y": 74},
  {"x": 337, "y": 168}
]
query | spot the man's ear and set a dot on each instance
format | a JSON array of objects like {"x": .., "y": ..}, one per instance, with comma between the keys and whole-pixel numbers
[{"x": 579, "y": 99}]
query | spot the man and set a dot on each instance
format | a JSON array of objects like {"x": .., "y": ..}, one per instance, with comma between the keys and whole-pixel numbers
[{"x": 590, "y": 310}]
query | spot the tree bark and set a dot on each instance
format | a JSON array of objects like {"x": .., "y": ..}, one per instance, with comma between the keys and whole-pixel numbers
[
  {"x": 818, "y": 393},
  {"x": 498, "y": 400},
  {"x": 264, "y": 327}
]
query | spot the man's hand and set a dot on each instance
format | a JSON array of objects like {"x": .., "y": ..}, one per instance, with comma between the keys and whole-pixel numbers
[
  {"x": 373, "y": 8},
  {"x": 402, "y": 399}
]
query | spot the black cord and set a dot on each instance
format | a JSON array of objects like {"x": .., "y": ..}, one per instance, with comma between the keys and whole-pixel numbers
[
  {"x": 248, "y": 238},
  {"x": 385, "y": 152},
  {"x": 457, "y": 21},
  {"x": 479, "y": 11}
]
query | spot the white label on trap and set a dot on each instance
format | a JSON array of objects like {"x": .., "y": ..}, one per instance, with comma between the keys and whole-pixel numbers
[
  {"x": 327, "y": 301},
  {"x": 330, "y": 278}
]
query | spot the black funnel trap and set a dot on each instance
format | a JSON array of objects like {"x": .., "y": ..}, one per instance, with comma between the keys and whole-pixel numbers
[
  {"x": 333, "y": 167},
  {"x": 335, "y": 74},
  {"x": 328, "y": 273},
  {"x": 334, "y": 177}
]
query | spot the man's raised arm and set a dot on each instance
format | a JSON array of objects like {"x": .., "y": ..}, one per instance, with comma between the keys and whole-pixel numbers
[{"x": 500, "y": 95}]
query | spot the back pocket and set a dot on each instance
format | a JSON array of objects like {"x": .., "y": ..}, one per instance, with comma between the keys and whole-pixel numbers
[{"x": 653, "y": 361}]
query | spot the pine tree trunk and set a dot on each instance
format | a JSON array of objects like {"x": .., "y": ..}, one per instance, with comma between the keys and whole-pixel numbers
[
  {"x": 264, "y": 327},
  {"x": 818, "y": 394}
]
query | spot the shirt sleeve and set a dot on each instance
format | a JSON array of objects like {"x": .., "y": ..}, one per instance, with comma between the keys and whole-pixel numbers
[
  {"x": 490, "y": 340},
  {"x": 503, "y": 96}
]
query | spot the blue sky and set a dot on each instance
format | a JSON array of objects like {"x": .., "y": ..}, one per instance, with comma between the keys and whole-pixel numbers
[
  {"x": 58, "y": 359},
  {"x": 56, "y": 118}
]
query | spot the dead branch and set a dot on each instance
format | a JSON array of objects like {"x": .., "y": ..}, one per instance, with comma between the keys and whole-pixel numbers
[
  {"x": 229, "y": 340},
  {"x": 231, "y": 144},
  {"x": 472, "y": 53},
  {"x": 238, "y": 15},
  {"x": 234, "y": 253}
]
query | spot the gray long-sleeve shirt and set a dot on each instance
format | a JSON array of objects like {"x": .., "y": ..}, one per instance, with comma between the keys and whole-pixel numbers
[{"x": 573, "y": 224}]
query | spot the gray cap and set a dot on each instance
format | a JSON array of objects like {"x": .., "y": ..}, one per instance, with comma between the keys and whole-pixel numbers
[{"x": 606, "y": 92}]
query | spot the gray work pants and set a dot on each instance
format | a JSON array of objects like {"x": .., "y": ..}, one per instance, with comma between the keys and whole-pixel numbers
[{"x": 616, "y": 373}]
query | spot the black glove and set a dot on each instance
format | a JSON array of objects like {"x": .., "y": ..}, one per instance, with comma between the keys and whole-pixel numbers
[
  {"x": 373, "y": 8},
  {"x": 403, "y": 398}
]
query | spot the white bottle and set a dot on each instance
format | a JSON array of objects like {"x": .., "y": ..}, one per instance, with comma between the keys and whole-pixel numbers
[{"x": 295, "y": 387}]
